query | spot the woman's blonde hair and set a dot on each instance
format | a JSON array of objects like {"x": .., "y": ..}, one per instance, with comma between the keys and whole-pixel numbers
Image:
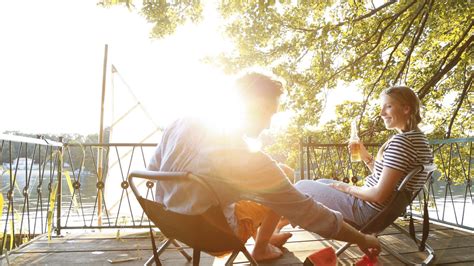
[{"x": 406, "y": 96}]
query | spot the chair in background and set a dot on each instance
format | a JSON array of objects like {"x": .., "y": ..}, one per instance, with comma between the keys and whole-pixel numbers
[
  {"x": 396, "y": 207},
  {"x": 208, "y": 232}
]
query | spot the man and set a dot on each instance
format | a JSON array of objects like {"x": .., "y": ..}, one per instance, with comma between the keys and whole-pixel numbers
[{"x": 251, "y": 187}]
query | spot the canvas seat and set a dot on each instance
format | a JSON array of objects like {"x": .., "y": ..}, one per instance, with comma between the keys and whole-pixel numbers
[
  {"x": 396, "y": 207},
  {"x": 208, "y": 232}
]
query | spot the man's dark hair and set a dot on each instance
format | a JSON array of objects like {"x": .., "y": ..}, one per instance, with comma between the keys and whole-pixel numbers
[{"x": 255, "y": 85}]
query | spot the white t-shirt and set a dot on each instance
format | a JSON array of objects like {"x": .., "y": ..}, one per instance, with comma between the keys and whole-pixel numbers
[{"x": 235, "y": 173}]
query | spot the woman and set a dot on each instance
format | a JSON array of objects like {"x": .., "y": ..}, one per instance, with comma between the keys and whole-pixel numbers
[{"x": 400, "y": 110}]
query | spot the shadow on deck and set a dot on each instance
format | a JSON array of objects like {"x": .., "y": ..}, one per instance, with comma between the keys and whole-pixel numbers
[{"x": 451, "y": 246}]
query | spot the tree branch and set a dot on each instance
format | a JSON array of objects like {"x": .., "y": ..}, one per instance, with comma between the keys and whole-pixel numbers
[
  {"x": 464, "y": 34},
  {"x": 405, "y": 33},
  {"x": 425, "y": 89},
  {"x": 371, "y": 13},
  {"x": 379, "y": 39},
  {"x": 465, "y": 90},
  {"x": 416, "y": 38}
]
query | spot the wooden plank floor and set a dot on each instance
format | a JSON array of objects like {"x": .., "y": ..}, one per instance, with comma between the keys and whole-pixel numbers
[{"x": 452, "y": 247}]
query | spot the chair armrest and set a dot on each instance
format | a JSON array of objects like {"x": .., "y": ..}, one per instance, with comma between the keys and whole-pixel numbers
[
  {"x": 154, "y": 175},
  {"x": 427, "y": 167},
  {"x": 168, "y": 176}
]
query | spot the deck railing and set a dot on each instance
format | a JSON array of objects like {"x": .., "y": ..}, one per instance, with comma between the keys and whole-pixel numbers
[
  {"x": 98, "y": 196},
  {"x": 84, "y": 186},
  {"x": 29, "y": 172},
  {"x": 449, "y": 189}
]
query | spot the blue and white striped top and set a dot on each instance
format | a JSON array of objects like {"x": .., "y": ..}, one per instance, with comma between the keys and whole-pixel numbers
[{"x": 402, "y": 152}]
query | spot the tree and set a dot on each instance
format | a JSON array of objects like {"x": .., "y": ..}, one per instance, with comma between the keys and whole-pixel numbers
[
  {"x": 164, "y": 14},
  {"x": 426, "y": 45},
  {"x": 313, "y": 45}
]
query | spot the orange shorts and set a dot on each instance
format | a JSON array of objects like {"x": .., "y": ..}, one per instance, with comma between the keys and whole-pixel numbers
[{"x": 249, "y": 216}]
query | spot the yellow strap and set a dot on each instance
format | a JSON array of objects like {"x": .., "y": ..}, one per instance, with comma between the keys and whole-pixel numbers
[
  {"x": 71, "y": 189},
  {"x": 1, "y": 204},
  {"x": 51, "y": 209},
  {"x": 12, "y": 233},
  {"x": 123, "y": 221}
]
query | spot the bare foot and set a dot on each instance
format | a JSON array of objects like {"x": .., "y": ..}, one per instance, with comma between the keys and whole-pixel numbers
[
  {"x": 279, "y": 239},
  {"x": 282, "y": 223},
  {"x": 270, "y": 252}
]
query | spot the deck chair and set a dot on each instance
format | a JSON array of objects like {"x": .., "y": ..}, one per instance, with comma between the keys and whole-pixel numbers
[
  {"x": 208, "y": 232},
  {"x": 396, "y": 207}
]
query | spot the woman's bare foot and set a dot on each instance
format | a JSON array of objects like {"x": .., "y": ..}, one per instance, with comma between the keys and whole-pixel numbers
[
  {"x": 269, "y": 252},
  {"x": 279, "y": 239}
]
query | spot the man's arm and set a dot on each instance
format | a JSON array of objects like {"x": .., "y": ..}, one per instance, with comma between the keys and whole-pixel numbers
[{"x": 367, "y": 243}]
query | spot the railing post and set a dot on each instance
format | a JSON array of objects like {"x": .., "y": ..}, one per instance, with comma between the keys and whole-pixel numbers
[
  {"x": 59, "y": 191},
  {"x": 301, "y": 158},
  {"x": 308, "y": 159}
]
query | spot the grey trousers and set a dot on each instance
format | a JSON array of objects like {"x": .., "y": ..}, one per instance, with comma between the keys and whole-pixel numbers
[{"x": 353, "y": 209}]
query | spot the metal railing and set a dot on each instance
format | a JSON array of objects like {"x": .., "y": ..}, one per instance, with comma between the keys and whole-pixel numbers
[
  {"x": 29, "y": 180},
  {"x": 48, "y": 186},
  {"x": 98, "y": 196},
  {"x": 450, "y": 187}
]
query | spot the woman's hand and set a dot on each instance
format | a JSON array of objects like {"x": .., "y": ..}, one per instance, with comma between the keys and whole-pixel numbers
[
  {"x": 343, "y": 187},
  {"x": 364, "y": 154}
]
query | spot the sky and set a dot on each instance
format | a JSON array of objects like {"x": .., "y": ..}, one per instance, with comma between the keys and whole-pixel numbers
[{"x": 51, "y": 63}]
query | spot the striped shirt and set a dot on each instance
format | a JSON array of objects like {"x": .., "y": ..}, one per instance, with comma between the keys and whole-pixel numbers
[{"x": 403, "y": 152}]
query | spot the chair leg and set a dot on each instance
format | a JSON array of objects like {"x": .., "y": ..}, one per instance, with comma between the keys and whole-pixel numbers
[
  {"x": 342, "y": 249},
  {"x": 429, "y": 250},
  {"x": 181, "y": 250},
  {"x": 196, "y": 256},
  {"x": 247, "y": 254},
  {"x": 232, "y": 257},
  {"x": 249, "y": 257},
  {"x": 159, "y": 251}
]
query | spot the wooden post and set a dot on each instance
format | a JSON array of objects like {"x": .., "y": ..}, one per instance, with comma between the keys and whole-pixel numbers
[{"x": 101, "y": 141}]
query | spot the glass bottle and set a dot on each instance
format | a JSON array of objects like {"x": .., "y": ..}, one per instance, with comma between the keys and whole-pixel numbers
[{"x": 354, "y": 143}]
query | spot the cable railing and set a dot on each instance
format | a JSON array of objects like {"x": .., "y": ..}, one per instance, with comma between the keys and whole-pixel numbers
[
  {"x": 49, "y": 186},
  {"x": 96, "y": 193},
  {"x": 29, "y": 180},
  {"x": 449, "y": 188}
]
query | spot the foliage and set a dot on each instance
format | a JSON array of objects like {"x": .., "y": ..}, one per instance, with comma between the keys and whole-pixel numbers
[
  {"x": 314, "y": 45},
  {"x": 165, "y": 15},
  {"x": 424, "y": 44}
]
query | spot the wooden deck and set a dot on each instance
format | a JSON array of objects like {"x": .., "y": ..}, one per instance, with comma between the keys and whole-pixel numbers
[{"x": 451, "y": 246}]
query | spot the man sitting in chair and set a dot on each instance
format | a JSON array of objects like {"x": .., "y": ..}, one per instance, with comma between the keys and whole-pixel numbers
[{"x": 252, "y": 188}]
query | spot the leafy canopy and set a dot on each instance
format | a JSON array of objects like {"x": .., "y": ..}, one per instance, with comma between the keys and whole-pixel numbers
[{"x": 316, "y": 45}]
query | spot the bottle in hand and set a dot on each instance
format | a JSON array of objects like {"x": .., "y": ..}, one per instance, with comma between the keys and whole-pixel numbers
[{"x": 354, "y": 143}]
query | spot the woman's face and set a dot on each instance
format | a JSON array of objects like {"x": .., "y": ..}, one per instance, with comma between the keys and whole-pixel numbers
[{"x": 394, "y": 114}]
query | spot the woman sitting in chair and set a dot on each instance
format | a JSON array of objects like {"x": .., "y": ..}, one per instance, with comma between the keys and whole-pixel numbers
[{"x": 400, "y": 110}]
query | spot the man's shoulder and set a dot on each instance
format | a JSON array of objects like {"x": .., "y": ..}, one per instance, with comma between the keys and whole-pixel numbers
[{"x": 186, "y": 123}]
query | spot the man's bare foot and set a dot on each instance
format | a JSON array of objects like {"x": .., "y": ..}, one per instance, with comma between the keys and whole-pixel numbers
[
  {"x": 282, "y": 223},
  {"x": 279, "y": 239},
  {"x": 270, "y": 252}
]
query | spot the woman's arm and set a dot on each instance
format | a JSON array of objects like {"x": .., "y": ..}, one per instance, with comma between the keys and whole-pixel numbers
[
  {"x": 365, "y": 156},
  {"x": 379, "y": 193}
]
